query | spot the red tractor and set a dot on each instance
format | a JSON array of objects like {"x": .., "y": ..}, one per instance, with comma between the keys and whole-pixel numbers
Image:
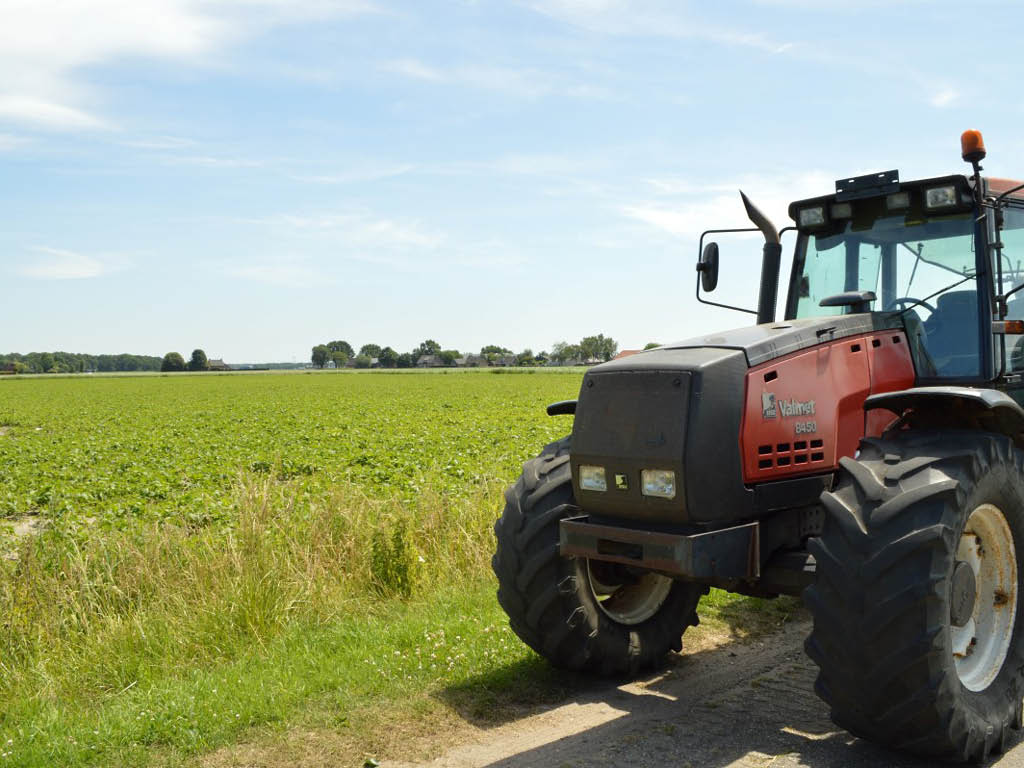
[{"x": 866, "y": 452}]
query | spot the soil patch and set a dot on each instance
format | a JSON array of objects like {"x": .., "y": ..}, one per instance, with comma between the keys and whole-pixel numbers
[{"x": 12, "y": 530}]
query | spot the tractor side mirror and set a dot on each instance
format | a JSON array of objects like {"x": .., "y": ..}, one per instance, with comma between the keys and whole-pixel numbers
[{"x": 708, "y": 267}]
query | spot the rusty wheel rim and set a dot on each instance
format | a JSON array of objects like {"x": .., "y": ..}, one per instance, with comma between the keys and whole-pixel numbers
[
  {"x": 629, "y": 603},
  {"x": 981, "y": 645}
]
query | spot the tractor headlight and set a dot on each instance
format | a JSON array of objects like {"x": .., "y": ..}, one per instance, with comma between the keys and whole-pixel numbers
[
  {"x": 842, "y": 211},
  {"x": 812, "y": 217},
  {"x": 897, "y": 201},
  {"x": 592, "y": 478},
  {"x": 658, "y": 482},
  {"x": 940, "y": 197}
]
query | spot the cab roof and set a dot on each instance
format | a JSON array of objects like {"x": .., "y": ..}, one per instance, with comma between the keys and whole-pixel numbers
[{"x": 998, "y": 186}]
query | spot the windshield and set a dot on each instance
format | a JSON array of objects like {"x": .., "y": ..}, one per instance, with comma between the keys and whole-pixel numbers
[{"x": 924, "y": 269}]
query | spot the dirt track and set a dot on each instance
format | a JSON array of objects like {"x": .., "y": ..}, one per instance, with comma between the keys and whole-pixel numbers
[{"x": 736, "y": 706}]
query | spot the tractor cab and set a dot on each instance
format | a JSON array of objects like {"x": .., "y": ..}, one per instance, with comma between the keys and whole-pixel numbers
[
  {"x": 910, "y": 253},
  {"x": 943, "y": 258}
]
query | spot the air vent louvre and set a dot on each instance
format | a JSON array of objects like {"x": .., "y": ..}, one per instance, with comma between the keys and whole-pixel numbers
[{"x": 782, "y": 456}]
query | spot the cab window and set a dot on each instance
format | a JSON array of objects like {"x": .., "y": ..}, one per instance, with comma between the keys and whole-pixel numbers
[{"x": 923, "y": 268}]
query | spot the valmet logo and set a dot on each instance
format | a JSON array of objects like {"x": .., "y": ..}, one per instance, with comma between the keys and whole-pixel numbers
[{"x": 772, "y": 408}]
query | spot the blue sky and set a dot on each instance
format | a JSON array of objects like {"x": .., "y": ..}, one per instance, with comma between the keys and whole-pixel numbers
[{"x": 256, "y": 176}]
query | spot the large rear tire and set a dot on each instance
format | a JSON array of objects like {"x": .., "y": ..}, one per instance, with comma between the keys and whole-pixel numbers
[
  {"x": 917, "y": 630},
  {"x": 579, "y": 615}
]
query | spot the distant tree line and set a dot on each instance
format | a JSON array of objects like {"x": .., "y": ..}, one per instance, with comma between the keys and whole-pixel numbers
[
  {"x": 341, "y": 354},
  {"x": 589, "y": 349},
  {"x": 74, "y": 362}
]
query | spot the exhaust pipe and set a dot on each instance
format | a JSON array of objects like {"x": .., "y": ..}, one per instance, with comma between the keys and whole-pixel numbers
[{"x": 771, "y": 261}]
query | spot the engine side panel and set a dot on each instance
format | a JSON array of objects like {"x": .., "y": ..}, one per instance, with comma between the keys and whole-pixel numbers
[{"x": 805, "y": 411}]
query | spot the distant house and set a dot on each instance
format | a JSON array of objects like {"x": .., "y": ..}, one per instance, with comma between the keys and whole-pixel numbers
[
  {"x": 472, "y": 361},
  {"x": 504, "y": 361},
  {"x": 429, "y": 361},
  {"x": 627, "y": 353},
  {"x": 6, "y": 368},
  {"x": 219, "y": 365}
]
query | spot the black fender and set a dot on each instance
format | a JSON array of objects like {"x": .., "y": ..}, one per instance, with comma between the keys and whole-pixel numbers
[{"x": 988, "y": 410}]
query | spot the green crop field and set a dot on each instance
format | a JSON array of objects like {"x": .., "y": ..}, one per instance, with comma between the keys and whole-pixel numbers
[
  {"x": 173, "y": 447},
  {"x": 190, "y": 562}
]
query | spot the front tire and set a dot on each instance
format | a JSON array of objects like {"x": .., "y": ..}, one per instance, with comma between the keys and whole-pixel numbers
[
  {"x": 580, "y": 615},
  {"x": 917, "y": 617}
]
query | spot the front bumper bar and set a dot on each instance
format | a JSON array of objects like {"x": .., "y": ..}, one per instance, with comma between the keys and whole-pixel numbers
[{"x": 728, "y": 554}]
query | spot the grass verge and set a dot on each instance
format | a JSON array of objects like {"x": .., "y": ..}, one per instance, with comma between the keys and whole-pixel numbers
[
  {"x": 325, "y": 676},
  {"x": 363, "y": 617}
]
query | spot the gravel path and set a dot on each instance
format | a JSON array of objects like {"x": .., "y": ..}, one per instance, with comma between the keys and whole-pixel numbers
[{"x": 737, "y": 706}]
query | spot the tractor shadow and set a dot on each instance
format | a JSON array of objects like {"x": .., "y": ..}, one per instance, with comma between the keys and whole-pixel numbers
[
  {"x": 530, "y": 685},
  {"x": 745, "y": 703}
]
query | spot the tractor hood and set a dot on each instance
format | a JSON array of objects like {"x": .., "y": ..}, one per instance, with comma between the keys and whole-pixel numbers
[
  {"x": 680, "y": 408},
  {"x": 671, "y": 409},
  {"x": 762, "y": 343}
]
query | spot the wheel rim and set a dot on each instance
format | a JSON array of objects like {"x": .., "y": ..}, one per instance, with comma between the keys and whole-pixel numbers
[
  {"x": 630, "y": 603},
  {"x": 981, "y": 645}
]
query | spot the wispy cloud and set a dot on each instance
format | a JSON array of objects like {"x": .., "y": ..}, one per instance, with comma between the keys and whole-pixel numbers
[
  {"x": 413, "y": 68},
  {"x": 177, "y": 150},
  {"x": 213, "y": 161},
  {"x": 364, "y": 230},
  {"x": 10, "y": 141},
  {"x": 48, "y": 114},
  {"x": 43, "y": 49},
  {"x": 834, "y": 6},
  {"x": 944, "y": 98},
  {"x": 160, "y": 142},
  {"x": 684, "y": 209},
  {"x": 527, "y": 82},
  {"x": 327, "y": 247},
  {"x": 523, "y": 82},
  {"x": 650, "y": 18},
  {"x": 538, "y": 164},
  {"x": 356, "y": 175},
  {"x": 60, "y": 264},
  {"x": 296, "y": 275}
]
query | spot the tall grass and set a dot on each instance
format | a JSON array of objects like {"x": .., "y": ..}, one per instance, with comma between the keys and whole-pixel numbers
[
  {"x": 125, "y": 647},
  {"x": 85, "y": 612}
]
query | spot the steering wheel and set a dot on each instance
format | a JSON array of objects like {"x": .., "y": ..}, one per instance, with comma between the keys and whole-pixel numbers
[{"x": 910, "y": 301}]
